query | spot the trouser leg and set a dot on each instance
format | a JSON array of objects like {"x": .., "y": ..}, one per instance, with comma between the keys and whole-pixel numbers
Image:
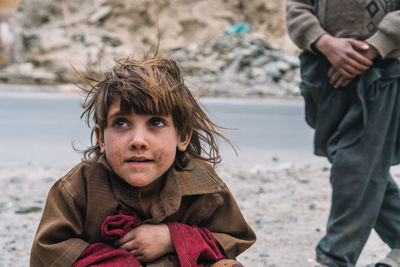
[
  {"x": 356, "y": 200},
  {"x": 388, "y": 223},
  {"x": 363, "y": 194}
]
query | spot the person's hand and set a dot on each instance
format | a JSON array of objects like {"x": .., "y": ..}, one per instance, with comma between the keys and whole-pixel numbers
[
  {"x": 345, "y": 54},
  {"x": 147, "y": 242},
  {"x": 369, "y": 53},
  {"x": 338, "y": 80}
]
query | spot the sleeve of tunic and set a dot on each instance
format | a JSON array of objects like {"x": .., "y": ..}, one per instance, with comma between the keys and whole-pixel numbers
[
  {"x": 57, "y": 241},
  {"x": 219, "y": 213},
  {"x": 229, "y": 227},
  {"x": 387, "y": 38},
  {"x": 303, "y": 25}
]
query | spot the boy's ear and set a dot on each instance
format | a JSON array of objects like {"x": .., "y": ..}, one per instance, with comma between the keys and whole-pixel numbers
[
  {"x": 184, "y": 141},
  {"x": 99, "y": 137}
]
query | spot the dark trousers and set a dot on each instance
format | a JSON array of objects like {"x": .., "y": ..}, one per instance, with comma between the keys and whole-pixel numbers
[{"x": 357, "y": 128}]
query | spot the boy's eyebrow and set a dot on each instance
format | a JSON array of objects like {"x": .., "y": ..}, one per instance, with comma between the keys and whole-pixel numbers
[{"x": 116, "y": 114}]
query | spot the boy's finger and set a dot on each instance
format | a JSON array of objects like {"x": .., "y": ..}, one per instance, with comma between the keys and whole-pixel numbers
[
  {"x": 129, "y": 246},
  {"x": 136, "y": 252},
  {"x": 126, "y": 238},
  {"x": 335, "y": 76},
  {"x": 344, "y": 72},
  {"x": 331, "y": 71},
  {"x": 362, "y": 62},
  {"x": 354, "y": 67},
  {"x": 339, "y": 82},
  {"x": 360, "y": 45},
  {"x": 342, "y": 82},
  {"x": 353, "y": 71}
]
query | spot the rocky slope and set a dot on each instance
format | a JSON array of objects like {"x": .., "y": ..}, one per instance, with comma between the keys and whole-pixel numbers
[{"x": 52, "y": 35}]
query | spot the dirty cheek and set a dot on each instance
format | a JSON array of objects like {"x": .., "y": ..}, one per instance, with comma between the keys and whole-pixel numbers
[{"x": 166, "y": 156}]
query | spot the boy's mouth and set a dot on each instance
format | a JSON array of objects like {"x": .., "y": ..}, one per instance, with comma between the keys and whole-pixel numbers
[{"x": 138, "y": 159}]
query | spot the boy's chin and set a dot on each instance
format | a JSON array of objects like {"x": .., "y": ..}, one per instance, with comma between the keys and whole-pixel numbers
[{"x": 140, "y": 181}]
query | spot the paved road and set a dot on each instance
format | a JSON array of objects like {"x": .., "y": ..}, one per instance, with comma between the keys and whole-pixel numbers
[{"x": 39, "y": 128}]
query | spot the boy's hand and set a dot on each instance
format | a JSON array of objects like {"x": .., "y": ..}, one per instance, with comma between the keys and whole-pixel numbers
[
  {"x": 147, "y": 242},
  {"x": 338, "y": 80},
  {"x": 345, "y": 54}
]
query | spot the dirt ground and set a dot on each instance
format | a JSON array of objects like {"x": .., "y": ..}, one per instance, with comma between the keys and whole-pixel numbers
[{"x": 286, "y": 204}]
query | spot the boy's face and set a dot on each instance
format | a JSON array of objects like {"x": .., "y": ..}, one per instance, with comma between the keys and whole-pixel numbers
[{"x": 139, "y": 148}]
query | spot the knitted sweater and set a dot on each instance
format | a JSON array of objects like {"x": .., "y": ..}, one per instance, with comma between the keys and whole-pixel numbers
[{"x": 376, "y": 22}]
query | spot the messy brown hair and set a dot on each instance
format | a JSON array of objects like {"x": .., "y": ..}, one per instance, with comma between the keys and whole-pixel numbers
[{"x": 153, "y": 86}]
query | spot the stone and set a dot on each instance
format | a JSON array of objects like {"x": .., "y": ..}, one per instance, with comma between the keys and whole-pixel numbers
[
  {"x": 100, "y": 14},
  {"x": 26, "y": 210},
  {"x": 260, "y": 61},
  {"x": 53, "y": 39}
]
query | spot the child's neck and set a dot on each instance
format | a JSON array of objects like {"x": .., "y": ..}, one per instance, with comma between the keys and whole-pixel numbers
[{"x": 150, "y": 194}]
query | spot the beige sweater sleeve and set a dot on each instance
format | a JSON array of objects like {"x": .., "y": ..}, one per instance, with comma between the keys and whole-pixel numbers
[
  {"x": 387, "y": 38},
  {"x": 302, "y": 24}
]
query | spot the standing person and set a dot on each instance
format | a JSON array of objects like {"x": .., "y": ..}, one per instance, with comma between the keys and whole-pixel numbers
[
  {"x": 146, "y": 193},
  {"x": 351, "y": 86}
]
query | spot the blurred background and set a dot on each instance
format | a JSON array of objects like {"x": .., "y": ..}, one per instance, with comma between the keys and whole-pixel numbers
[
  {"x": 240, "y": 43},
  {"x": 228, "y": 50}
]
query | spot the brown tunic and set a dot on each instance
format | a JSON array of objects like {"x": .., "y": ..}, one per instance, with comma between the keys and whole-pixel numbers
[{"x": 79, "y": 202}]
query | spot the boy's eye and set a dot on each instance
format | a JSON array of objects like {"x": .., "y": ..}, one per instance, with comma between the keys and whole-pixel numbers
[
  {"x": 119, "y": 123},
  {"x": 156, "y": 122}
]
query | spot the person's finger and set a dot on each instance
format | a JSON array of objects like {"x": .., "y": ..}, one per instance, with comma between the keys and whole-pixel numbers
[
  {"x": 335, "y": 76},
  {"x": 331, "y": 71},
  {"x": 360, "y": 45},
  {"x": 126, "y": 238},
  {"x": 353, "y": 71},
  {"x": 139, "y": 256},
  {"x": 339, "y": 82},
  {"x": 354, "y": 59},
  {"x": 345, "y": 73},
  {"x": 359, "y": 61},
  {"x": 132, "y": 245},
  {"x": 136, "y": 252}
]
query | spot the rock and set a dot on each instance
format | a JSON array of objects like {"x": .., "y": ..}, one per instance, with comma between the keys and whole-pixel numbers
[
  {"x": 303, "y": 180},
  {"x": 27, "y": 74},
  {"x": 100, "y": 14},
  {"x": 260, "y": 61},
  {"x": 258, "y": 39},
  {"x": 292, "y": 60},
  {"x": 25, "y": 210},
  {"x": 275, "y": 70},
  {"x": 111, "y": 40},
  {"x": 53, "y": 39},
  {"x": 179, "y": 55}
]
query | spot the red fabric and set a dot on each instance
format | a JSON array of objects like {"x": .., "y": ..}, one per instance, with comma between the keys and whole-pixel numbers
[
  {"x": 117, "y": 226},
  {"x": 104, "y": 255},
  {"x": 194, "y": 245}
]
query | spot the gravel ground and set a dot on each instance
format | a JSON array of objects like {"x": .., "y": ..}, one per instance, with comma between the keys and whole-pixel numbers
[{"x": 286, "y": 204}]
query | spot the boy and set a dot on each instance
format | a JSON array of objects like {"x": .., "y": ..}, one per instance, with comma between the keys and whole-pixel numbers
[
  {"x": 351, "y": 86},
  {"x": 145, "y": 195}
]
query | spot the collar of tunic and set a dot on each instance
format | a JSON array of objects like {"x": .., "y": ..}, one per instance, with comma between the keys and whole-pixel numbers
[{"x": 198, "y": 178}]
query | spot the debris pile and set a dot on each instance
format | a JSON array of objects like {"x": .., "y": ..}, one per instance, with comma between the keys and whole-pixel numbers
[
  {"x": 240, "y": 65},
  {"x": 52, "y": 35}
]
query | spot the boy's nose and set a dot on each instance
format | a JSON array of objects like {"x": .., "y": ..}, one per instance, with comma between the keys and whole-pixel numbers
[{"x": 138, "y": 139}]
